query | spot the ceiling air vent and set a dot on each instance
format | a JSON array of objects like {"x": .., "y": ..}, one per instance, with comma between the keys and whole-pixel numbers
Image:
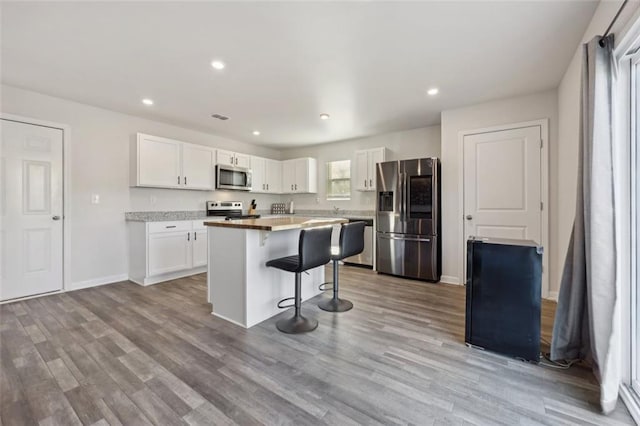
[{"x": 220, "y": 117}]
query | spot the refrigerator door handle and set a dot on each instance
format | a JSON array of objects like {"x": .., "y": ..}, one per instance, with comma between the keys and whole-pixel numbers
[
  {"x": 405, "y": 197},
  {"x": 402, "y": 199},
  {"x": 393, "y": 237}
]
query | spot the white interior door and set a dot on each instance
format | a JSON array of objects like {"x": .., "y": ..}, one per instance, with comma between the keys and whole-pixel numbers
[
  {"x": 31, "y": 189},
  {"x": 502, "y": 184}
]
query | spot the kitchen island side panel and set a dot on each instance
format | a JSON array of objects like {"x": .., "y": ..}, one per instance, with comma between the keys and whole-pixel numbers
[{"x": 226, "y": 275}]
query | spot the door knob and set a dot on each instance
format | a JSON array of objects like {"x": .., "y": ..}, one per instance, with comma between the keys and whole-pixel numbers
[
  {"x": 56, "y": 218},
  {"x": 469, "y": 217}
]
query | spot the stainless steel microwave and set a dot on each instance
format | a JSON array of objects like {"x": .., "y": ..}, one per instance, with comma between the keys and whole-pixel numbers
[{"x": 230, "y": 177}]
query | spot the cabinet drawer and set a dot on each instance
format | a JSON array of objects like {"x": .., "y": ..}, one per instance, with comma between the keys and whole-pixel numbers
[{"x": 173, "y": 226}]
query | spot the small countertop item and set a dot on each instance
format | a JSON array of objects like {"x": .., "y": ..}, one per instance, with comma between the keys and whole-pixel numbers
[{"x": 278, "y": 223}]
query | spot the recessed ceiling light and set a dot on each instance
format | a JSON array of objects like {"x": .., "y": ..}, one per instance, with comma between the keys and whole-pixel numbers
[
  {"x": 147, "y": 101},
  {"x": 256, "y": 133},
  {"x": 433, "y": 91},
  {"x": 219, "y": 65},
  {"x": 324, "y": 116}
]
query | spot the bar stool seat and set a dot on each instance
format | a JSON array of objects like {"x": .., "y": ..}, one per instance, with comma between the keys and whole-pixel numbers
[
  {"x": 351, "y": 243},
  {"x": 288, "y": 263},
  {"x": 314, "y": 249}
]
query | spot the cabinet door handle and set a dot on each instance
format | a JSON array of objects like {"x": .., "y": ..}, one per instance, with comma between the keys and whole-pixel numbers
[
  {"x": 185, "y": 180},
  {"x": 267, "y": 187},
  {"x": 365, "y": 183},
  {"x": 178, "y": 180},
  {"x": 195, "y": 236},
  {"x": 170, "y": 226},
  {"x": 188, "y": 236},
  {"x": 296, "y": 186},
  {"x": 236, "y": 161},
  {"x": 370, "y": 183},
  {"x": 292, "y": 187}
]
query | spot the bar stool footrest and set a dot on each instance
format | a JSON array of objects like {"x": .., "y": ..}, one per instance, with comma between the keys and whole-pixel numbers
[
  {"x": 322, "y": 287},
  {"x": 286, "y": 299}
]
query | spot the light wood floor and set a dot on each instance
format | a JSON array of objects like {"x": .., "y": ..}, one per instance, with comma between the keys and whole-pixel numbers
[{"x": 125, "y": 354}]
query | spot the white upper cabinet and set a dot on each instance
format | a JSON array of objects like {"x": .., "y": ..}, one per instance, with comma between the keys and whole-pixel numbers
[
  {"x": 366, "y": 160},
  {"x": 258, "y": 171},
  {"x": 158, "y": 162},
  {"x": 273, "y": 176},
  {"x": 233, "y": 159},
  {"x": 266, "y": 175},
  {"x": 300, "y": 176},
  {"x": 197, "y": 166},
  {"x": 166, "y": 163}
]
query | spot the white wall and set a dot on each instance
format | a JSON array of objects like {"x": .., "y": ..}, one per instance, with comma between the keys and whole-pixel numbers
[
  {"x": 416, "y": 143},
  {"x": 100, "y": 165},
  {"x": 504, "y": 111},
  {"x": 569, "y": 125}
]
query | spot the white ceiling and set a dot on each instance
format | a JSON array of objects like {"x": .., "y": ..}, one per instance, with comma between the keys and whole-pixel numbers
[{"x": 368, "y": 64}]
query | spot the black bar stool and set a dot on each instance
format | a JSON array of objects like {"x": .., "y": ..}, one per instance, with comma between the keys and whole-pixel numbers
[
  {"x": 314, "y": 249},
  {"x": 351, "y": 243}
]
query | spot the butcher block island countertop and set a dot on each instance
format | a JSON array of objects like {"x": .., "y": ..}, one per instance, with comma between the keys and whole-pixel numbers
[{"x": 282, "y": 223}]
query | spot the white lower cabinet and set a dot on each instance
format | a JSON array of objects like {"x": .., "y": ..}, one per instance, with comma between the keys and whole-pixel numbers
[
  {"x": 169, "y": 252},
  {"x": 199, "y": 247},
  {"x": 161, "y": 251}
]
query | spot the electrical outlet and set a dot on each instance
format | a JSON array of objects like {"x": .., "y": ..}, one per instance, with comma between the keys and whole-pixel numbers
[{"x": 95, "y": 198}]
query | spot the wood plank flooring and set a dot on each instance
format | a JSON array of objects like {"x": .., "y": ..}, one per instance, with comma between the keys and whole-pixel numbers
[{"x": 122, "y": 354}]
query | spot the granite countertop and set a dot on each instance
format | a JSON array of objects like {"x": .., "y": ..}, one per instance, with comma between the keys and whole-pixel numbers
[
  {"x": 164, "y": 216},
  {"x": 280, "y": 223}
]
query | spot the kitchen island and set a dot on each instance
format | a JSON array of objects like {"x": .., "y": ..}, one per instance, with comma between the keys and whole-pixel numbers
[{"x": 241, "y": 289}]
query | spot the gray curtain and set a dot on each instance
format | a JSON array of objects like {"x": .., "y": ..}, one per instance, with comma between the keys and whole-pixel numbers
[{"x": 587, "y": 303}]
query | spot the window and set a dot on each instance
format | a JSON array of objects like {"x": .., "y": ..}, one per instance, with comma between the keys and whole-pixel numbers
[{"x": 339, "y": 180}]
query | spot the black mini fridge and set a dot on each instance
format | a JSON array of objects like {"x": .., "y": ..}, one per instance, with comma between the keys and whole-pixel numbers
[{"x": 503, "y": 296}]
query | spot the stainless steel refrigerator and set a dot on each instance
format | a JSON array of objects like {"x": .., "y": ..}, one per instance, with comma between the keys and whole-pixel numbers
[{"x": 408, "y": 219}]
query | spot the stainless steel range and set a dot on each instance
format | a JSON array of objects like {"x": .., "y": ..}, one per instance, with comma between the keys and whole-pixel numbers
[
  {"x": 228, "y": 209},
  {"x": 408, "y": 218}
]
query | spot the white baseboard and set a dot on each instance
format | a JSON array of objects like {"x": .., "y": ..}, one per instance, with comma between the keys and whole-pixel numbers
[
  {"x": 145, "y": 281},
  {"x": 228, "y": 319},
  {"x": 448, "y": 279},
  {"x": 97, "y": 281},
  {"x": 631, "y": 401},
  {"x": 553, "y": 295}
]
